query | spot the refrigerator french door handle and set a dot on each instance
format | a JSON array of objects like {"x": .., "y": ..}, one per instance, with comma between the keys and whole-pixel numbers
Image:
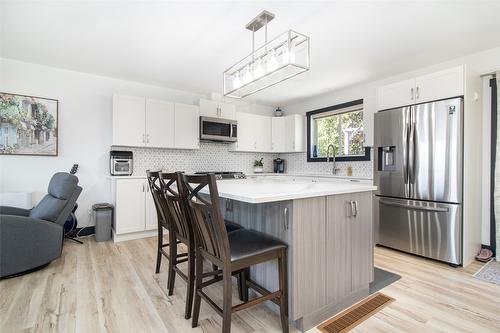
[
  {"x": 406, "y": 130},
  {"x": 411, "y": 148},
  {"x": 429, "y": 209}
]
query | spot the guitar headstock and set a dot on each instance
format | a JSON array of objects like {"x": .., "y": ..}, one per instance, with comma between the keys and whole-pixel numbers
[{"x": 74, "y": 169}]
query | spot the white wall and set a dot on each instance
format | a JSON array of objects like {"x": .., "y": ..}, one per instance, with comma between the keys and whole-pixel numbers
[
  {"x": 480, "y": 63},
  {"x": 85, "y": 111}
]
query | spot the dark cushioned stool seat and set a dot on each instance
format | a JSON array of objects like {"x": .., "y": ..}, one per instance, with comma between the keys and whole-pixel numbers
[
  {"x": 247, "y": 243},
  {"x": 231, "y": 226}
]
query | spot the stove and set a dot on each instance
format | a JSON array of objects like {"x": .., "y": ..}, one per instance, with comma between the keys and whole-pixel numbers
[{"x": 224, "y": 174}]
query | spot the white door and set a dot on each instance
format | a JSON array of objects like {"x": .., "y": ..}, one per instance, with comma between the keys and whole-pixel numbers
[
  {"x": 227, "y": 111},
  {"x": 159, "y": 124},
  {"x": 129, "y": 120},
  {"x": 151, "y": 214},
  {"x": 440, "y": 85},
  {"x": 130, "y": 205},
  {"x": 247, "y": 132},
  {"x": 187, "y": 124},
  {"x": 396, "y": 95},
  {"x": 278, "y": 134},
  {"x": 209, "y": 108},
  {"x": 262, "y": 131}
]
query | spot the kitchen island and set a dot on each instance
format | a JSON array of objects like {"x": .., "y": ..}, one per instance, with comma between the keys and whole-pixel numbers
[{"x": 327, "y": 225}]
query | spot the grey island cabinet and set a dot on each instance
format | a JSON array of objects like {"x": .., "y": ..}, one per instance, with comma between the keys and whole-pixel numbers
[{"x": 329, "y": 231}]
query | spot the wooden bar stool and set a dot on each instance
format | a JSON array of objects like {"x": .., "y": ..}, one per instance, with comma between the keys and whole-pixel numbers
[
  {"x": 175, "y": 210},
  {"x": 232, "y": 252},
  {"x": 163, "y": 222}
]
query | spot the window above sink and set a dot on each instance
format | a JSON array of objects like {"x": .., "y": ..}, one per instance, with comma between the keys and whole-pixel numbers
[{"x": 340, "y": 125}]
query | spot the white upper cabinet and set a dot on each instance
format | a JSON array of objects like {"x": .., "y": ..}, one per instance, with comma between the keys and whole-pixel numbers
[
  {"x": 440, "y": 85},
  {"x": 227, "y": 111},
  {"x": 278, "y": 134},
  {"x": 187, "y": 124},
  {"x": 396, "y": 94},
  {"x": 254, "y": 133},
  {"x": 159, "y": 124},
  {"x": 129, "y": 120},
  {"x": 262, "y": 133},
  {"x": 215, "y": 109},
  {"x": 430, "y": 87},
  {"x": 144, "y": 122},
  {"x": 246, "y": 132},
  {"x": 288, "y": 134}
]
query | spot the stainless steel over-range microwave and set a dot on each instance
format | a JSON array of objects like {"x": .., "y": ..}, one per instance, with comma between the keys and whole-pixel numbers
[{"x": 218, "y": 129}]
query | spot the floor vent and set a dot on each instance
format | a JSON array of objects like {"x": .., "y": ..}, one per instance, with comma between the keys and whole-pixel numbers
[{"x": 355, "y": 315}]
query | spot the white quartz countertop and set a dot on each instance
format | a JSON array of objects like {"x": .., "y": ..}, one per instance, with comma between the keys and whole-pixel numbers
[{"x": 264, "y": 189}]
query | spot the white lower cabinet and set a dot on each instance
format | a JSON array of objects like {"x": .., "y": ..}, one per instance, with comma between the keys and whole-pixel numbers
[
  {"x": 151, "y": 214},
  {"x": 134, "y": 206}
]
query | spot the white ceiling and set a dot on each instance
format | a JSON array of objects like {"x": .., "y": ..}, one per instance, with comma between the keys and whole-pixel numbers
[{"x": 187, "y": 45}]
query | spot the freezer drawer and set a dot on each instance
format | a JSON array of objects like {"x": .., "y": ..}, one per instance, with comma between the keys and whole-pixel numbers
[{"x": 428, "y": 229}]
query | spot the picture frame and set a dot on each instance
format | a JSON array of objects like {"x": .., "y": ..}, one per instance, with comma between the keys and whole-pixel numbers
[{"x": 28, "y": 125}]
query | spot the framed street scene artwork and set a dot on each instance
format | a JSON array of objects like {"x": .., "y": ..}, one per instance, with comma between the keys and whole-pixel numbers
[{"x": 28, "y": 125}]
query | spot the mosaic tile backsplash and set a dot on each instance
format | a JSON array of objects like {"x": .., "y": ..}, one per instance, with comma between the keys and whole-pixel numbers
[
  {"x": 217, "y": 157},
  {"x": 297, "y": 163}
]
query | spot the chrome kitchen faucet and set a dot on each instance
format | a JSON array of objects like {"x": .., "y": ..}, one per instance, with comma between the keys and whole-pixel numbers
[{"x": 334, "y": 164}]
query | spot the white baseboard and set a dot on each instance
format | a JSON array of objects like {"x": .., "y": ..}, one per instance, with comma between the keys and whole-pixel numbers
[{"x": 133, "y": 235}]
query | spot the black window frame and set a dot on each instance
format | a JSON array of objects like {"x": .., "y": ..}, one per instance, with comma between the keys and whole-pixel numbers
[{"x": 365, "y": 157}]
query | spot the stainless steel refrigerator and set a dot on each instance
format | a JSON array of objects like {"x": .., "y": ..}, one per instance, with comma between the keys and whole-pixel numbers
[{"x": 418, "y": 172}]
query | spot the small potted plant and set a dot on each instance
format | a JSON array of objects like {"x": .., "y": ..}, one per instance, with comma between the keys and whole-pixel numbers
[{"x": 258, "y": 166}]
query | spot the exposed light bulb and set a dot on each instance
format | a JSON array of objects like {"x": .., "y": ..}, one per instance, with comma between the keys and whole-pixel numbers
[
  {"x": 247, "y": 76},
  {"x": 237, "y": 81},
  {"x": 259, "y": 69},
  {"x": 272, "y": 63},
  {"x": 288, "y": 57}
]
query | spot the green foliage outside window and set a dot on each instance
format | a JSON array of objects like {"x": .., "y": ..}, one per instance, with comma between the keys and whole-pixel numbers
[{"x": 338, "y": 129}]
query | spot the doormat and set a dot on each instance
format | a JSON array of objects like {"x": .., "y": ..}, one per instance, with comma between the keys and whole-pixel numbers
[
  {"x": 489, "y": 272},
  {"x": 356, "y": 314}
]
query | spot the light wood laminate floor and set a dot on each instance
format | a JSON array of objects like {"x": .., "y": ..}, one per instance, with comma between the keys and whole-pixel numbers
[{"x": 107, "y": 287}]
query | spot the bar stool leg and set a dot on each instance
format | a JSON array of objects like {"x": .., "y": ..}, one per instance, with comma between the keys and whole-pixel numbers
[
  {"x": 244, "y": 275},
  {"x": 227, "y": 301},
  {"x": 158, "y": 254},
  {"x": 172, "y": 250},
  {"x": 190, "y": 283},
  {"x": 282, "y": 262},
  {"x": 199, "y": 281}
]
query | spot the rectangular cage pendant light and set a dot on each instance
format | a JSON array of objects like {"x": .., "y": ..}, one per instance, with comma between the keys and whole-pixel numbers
[{"x": 277, "y": 60}]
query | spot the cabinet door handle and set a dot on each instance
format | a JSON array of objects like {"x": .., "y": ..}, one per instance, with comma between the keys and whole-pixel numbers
[
  {"x": 285, "y": 215},
  {"x": 348, "y": 208},
  {"x": 147, "y": 138},
  {"x": 143, "y": 187},
  {"x": 411, "y": 93},
  {"x": 355, "y": 208},
  {"x": 417, "y": 94},
  {"x": 143, "y": 138}
]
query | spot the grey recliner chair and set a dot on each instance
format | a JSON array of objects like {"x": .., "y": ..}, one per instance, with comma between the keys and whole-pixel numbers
[{"x": 32, "y": 238}]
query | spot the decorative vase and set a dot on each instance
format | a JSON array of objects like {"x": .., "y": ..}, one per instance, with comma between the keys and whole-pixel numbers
[{"x": 258, "y": 169}]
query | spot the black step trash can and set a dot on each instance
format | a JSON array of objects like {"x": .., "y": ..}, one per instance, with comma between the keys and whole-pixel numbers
[{"x": 103, "y": 215}]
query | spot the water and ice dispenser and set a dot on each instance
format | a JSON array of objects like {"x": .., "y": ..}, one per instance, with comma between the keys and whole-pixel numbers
[{"x": 387, "y": 158}]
